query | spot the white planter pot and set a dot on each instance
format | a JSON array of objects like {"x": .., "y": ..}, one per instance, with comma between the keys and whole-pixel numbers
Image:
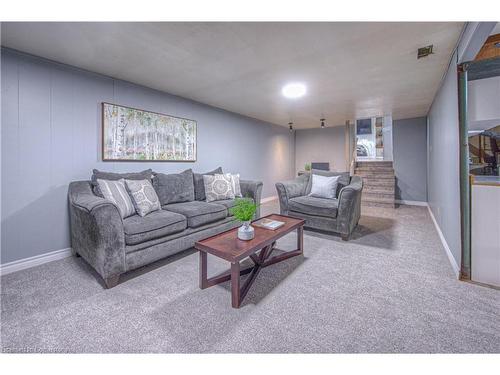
[{"x": 246, "y": 231}]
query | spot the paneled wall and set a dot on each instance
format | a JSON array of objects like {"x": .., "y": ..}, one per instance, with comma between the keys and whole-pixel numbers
[
  {"x": 320, "y": 145},
  {"x": 410, "y": 158},
  {"x": 51, "y": 129}
]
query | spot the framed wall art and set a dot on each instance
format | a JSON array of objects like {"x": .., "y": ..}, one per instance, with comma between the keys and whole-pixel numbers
[{"x": 130, "y": 134}]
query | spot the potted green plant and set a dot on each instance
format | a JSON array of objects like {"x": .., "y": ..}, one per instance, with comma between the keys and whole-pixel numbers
[
  {"x": 244, "y": 210},
  {"x": 307, "y": 167}
]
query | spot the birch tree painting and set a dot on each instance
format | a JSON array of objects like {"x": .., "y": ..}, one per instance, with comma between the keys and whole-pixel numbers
[{"x": 132, "y": 134}]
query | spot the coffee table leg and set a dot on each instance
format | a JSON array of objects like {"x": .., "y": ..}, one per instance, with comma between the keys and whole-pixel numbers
[
  {"x": 235, "y": 284},
  {"x": 300, "y": 239},
  {"x": 203, "y": 270}
]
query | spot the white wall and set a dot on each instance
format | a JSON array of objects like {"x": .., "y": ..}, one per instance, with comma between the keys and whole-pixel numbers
[
  {"x": 484, "y": 103},
  {"x": 320, "y": 145}
]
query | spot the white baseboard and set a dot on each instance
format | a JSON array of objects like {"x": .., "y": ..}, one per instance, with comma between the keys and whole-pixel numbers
[
  {"x": 23, "y": 264},
  {"x": 411, "y": 203},
  {"x": 452, "y": 260},
  {"x": 268, "y": 199}
]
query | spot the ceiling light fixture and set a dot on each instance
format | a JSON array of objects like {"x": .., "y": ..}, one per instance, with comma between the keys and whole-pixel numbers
[
  {"x": 290, "y": 125},
  {"x": 322, "y": 123},
  {"x": 294, "y": 90}
]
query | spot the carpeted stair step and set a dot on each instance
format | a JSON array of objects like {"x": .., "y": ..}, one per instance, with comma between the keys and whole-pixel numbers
[
  {"x": 375, "y": 194},
  {"x": 374, "y": 182},
  {"x": 377, "y": 202},
  {"x": 374, "y": 164},
  {"x": 382, "y": 189},
  {"x": 369, "y": 175},
  {"x": 381, "y": 170},
  {"x": 380, "y": 176}
]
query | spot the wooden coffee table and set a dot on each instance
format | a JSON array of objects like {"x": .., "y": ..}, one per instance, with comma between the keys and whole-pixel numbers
[{"x": 227, "y": 246}]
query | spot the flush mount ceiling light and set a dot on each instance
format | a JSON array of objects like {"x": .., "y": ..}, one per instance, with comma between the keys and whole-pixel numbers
[{"x": 294, "y": 90}]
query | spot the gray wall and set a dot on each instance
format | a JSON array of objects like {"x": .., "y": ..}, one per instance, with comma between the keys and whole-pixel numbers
[
  {"x": 410, "y": 158},
  {"x": 320, "y": 145},
  {"x": 51, "y": 125},
  {"x": 443, "y": 187}
]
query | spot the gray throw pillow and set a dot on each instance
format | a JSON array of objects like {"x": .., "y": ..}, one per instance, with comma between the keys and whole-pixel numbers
[
  {"x": 324, "y": 187},
  {"x": 199, "y": 185},
  {"x": 235, "y": 180},
  {"x": 111, "y": 176},
  {"x": 218, "y": 187},
  {"x": 116, "y": 192},
  {"x": 144, "y": 196},
  {"x": 174, "y": 188},
  {"x": 344, "y": 179}
]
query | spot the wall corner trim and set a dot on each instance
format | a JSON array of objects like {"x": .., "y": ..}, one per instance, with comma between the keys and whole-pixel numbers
[
  {"x": 411, "y": 203},
  {"x": 454, "y": 265},
  {"x": 37, "y": 260}
]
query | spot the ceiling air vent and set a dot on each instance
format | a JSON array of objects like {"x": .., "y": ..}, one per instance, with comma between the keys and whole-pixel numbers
[{"x": 424, "y": 51}]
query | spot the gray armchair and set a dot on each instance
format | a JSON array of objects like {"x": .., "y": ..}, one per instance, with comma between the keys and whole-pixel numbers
[{"x": 339, "y": 215}]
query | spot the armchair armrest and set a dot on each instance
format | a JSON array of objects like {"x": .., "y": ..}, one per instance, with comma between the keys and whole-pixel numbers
[
  {"x": 252, "y": 189},
  {"x": 349, "y": 210},
  {"x": 96, "y": 231},
  {"x": 291, "y": 189}
]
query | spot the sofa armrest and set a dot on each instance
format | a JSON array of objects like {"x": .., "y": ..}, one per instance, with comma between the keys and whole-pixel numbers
[
  {"x": 349, "y": 210},
  {"x": 290, "y": 189},
  {"x": 252, "y": 189},
  {"x": 96, "y": 230}
]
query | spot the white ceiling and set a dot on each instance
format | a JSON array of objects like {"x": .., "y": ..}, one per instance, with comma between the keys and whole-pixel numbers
[{"x": 351, "y": 70}]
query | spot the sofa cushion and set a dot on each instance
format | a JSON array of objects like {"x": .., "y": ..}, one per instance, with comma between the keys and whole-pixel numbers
[
  {"x": 199, "y": 185},
  {"x": 174, "y": 188},
  {"x": 157, "y": 224},
  {"x": 228, "y": 203},
  {"x": 218, "y": 187},
  {"x": 111, "y": 176},
  {"x": 143, "y": 196},
  {"x": 314, "y": 206},
  {"x": 116, "y": 192},
  {"x": 198, "y": 213},
  {"x": 344, "y": 179}
]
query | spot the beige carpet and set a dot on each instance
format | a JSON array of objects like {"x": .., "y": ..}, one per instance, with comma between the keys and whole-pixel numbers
[{"x": 390, "y": 289}]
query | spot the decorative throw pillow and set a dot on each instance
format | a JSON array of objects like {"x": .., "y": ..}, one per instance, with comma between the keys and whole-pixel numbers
[
  {"x": 174, "y": 188},
  {"x": 111, "y": 176},
  {"x": 324, "y": 187},
  {"x": 218, "y": 187},
  {"x": 116, "y": 192},
  {"x": 199, "y": 186},
  {"x": 343, "y": 180},
  {"x": 144, "y": 196},
  {"x": 235, "y": 180}
]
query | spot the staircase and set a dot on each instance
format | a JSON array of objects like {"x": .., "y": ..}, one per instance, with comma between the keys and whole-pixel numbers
[{"x": 378, "y": 183}]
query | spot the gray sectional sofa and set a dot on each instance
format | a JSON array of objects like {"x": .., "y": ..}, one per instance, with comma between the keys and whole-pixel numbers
[
  {"x": 340, "y": 215},
  {"x": 113, "y": 246}
]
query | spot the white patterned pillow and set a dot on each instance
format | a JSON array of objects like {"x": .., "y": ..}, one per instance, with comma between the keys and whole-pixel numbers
[
  {"x": 218, "y": 187},
  {"x": 116, "y": 192},
  {"x": 144, "y": 196},
  {"x": 324, "y": 187},
  {"x": 235, "y": 181}
]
